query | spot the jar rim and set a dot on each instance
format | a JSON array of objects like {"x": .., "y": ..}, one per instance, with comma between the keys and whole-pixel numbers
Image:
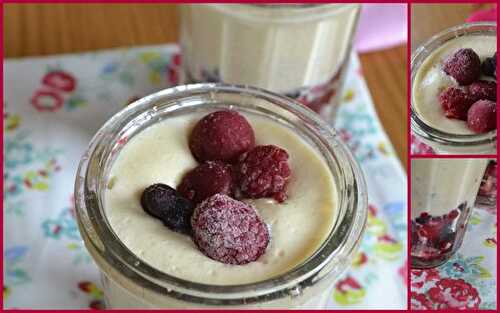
[
  {"x": 99, "y": 234},
  {"x": 418, "y": 125}
]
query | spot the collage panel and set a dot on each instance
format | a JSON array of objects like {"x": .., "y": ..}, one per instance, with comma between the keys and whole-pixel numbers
[
  {"x": 453, "y": 142},
  {"x": 453, "y": 79},
  {"x": 205, "y": 155},
  {"x": 453, "y": 233}
]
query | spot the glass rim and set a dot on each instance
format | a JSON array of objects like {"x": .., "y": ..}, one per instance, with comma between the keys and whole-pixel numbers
[
  {"x": 295, "y": 12},
  {"x": 418, "y": 125},
  {"x": 95, "y": 228}
]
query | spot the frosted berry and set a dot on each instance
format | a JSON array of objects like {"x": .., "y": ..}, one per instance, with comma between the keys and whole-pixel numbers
[
  {"x": 455, "y": 103},
  {"x": 165, "y": 203},
  {"x": 464, "y": 65},
  {"x": 221, "y": 136},
  {"x": 489, "y": 66},
  {"x": 206, "y": 180},
  {"x": 229, "y": 231},
  {"x": 483, "y": 90},
  {"x": 264, "y": 172},
  {"x": 482, "y": 116}
]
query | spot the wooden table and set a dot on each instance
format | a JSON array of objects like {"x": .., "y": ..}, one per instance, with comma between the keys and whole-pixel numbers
[
  {"x": 429, "y": 19},
  {"x": 44, "y": 29}
]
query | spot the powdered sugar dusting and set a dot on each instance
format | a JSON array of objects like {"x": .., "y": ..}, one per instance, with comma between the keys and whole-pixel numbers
[{"x": 229, "y": 231}]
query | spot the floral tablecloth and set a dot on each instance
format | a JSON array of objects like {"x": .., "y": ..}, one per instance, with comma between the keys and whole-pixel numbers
[
  {"x": 54, "y": 105},
  {"x": 468, "y": 279},
  {"x": 418, "y": 147}
]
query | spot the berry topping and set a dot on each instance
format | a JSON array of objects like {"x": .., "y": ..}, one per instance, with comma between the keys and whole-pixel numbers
[
  {"x": 483, "y": 90},
  {"x": 264, "y": 172},
  {"x": 229, "y": 231},
  {"x": 179, "y": 216},
  {"x": 206, "y": 180},
  {"x": 482, "y": 116},
  {"x": 156, "y": 198},
  {"x": 489, "y": 66},
  {"x": 163, "y": 202},
  {"x": 464, "y": 65},
  {"x": 222, "y": 136},
  {"x": 455, "y": 103}
]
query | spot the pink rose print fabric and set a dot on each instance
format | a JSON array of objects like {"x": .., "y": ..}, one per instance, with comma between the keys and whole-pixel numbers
[
  {"x": 54, "y": 105},
  {"x": 468, "y": 279}
]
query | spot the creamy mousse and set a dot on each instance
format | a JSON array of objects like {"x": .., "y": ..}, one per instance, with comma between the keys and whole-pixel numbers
[{"x": 160, "y": 154}]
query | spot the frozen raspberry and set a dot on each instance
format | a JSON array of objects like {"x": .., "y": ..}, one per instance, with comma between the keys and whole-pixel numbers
[
  {"x": 206, "y": 180},
  {"x": 229, "y": 231},
  {"x": 489, "y": 66},
  {"x": 455, "y": 103},
  {"x": 166, "y": 204},
  {"x": 464, "y": 65},
  {"x": 483, "y": 90},
  {"x": 482, "y": 116},
  {"x": 264, "y": 172},
  {"x": 221, "y": 136}
]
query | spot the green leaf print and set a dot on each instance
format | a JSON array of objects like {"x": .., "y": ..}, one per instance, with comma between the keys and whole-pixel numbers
[{"x": 483, "y": 273}]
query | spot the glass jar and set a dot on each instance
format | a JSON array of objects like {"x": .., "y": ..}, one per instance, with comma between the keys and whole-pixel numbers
[
  {"x": 443, "y": 193},
  {"x": 444, "y": 142},
  {"x": 487, "y": 196},
  {"x": 301, "y": 51},
  {"x": 130, "y": 282}
]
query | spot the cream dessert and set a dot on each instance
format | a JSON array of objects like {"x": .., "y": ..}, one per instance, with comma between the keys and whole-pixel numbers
[
  {"x": 161, "y": 154},
  {"x": 297, "y": 50},
  {"x": 443, "y": 192},
  {"x": 159, "y": 213},
  {"x": 431, "y": 80}
]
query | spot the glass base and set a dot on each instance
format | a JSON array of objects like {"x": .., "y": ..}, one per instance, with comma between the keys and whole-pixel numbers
[{"x": 422, "y": 264}]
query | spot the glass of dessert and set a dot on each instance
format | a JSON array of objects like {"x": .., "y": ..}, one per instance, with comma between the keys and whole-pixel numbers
[
  {"x": 443, "y": 193},
  {"x": 453, "y": 97},
  {"x": 299, "y": 50},
  {"x": 213, "y": 195},
  {"x": 487, "y": 196}
]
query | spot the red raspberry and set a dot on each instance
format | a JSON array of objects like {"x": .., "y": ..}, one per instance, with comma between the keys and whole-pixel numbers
[
  {"x": 206, "y": 180},
  {"x": 483, "y": 90},
  {"x": 482, "y": 116},
  {"x": 455, "y": 103},
  {"x": 229, "y": 231},
  {"x": 222, "y": 136},
  {"x": 464, "y": 65},
  {"x": 264, "y": 172}
]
